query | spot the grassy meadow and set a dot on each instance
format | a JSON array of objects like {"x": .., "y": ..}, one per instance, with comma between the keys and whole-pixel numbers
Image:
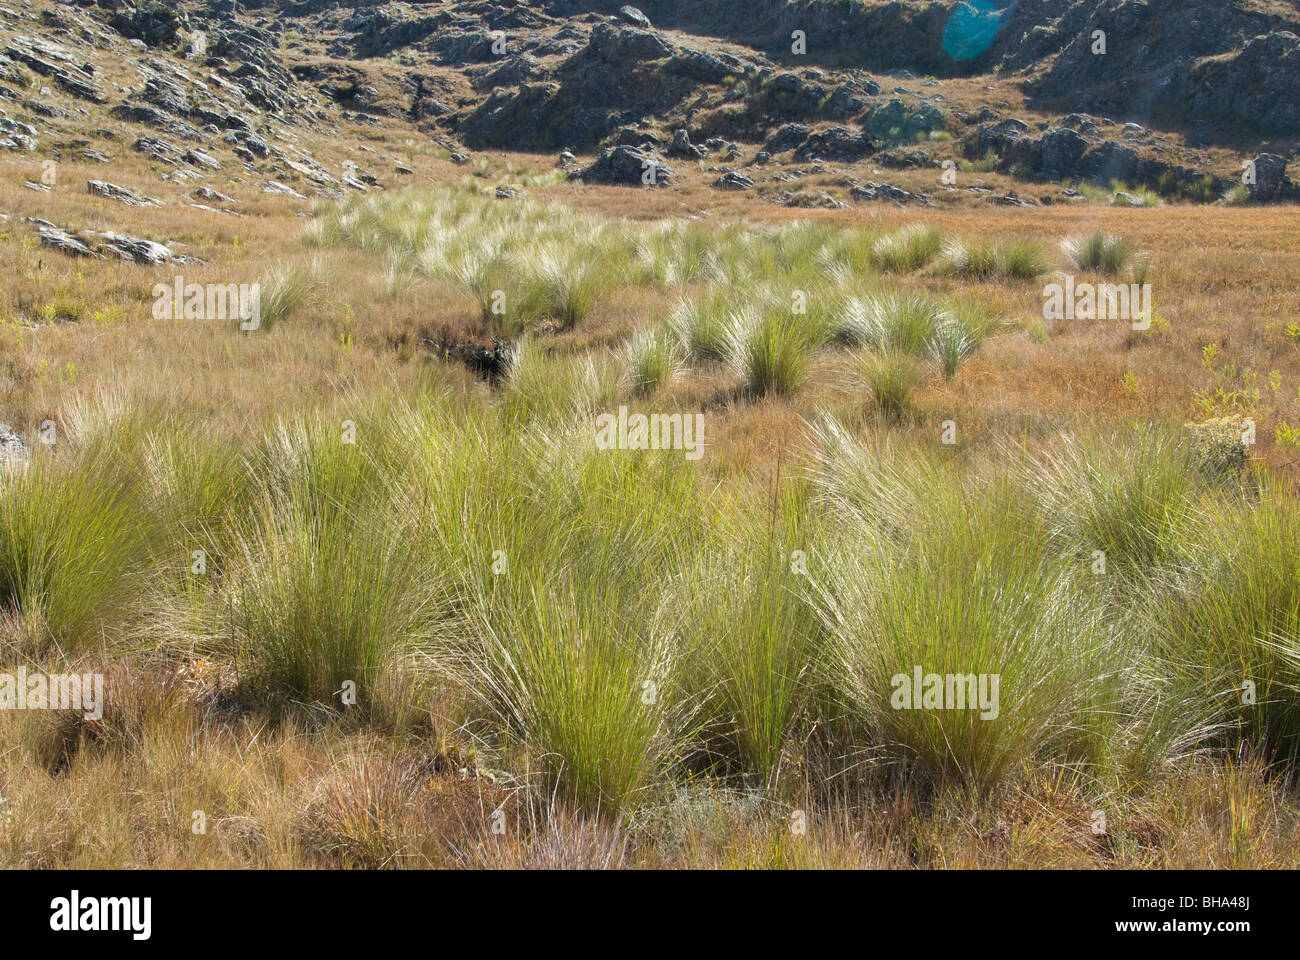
[{"x": 367, "y": 591}]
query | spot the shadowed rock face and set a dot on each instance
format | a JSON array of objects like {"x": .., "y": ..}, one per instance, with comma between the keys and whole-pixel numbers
[
  {"x": 214, "y": 86},
  {"x": 1155, "y": 61}
]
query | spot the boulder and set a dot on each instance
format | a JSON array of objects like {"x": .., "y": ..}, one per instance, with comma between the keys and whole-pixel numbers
[
  {"x": 634, "y": 16},
  {"x": 1271, "y": 182},
  {"x": 136, "y": 249},
  {"x": 111, "y": 191},
  {"x": 885, "y": 191},
  {"x": 896, "y": 121},
  {"x": 836, "y": 144},
  {"x": 626, "y": 45},
  {"x": 13, "y": 451},
  {"x": 153, "y": 23},
  {"x": 627, "y": 166},
  {"x": 789, "y": 137},
  {"x": 1061, "y": 151},
  {"x": 703, "y": 67},
  {"x": 683, "y": 148},
  {"x": 51, "y": 236},
  {"x": 733, "y": 181}
]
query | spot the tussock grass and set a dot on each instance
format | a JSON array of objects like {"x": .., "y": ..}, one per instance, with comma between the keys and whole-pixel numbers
[
  {"x": 1016, "y": 259},
  {"x": 1231, "y": 628},
  {"x": 770, "y": 350},
  {"x": 565, "y": 282},
  {"x": 78, "y": 530},
  {"x": 1099, "y": 252},
  {"x": 757, "y": 639},
  {"x": 900, "y": 322},
  {"x": 283, "y": 292},
  {"x": 891, "y": 378},
  {"x": 701, "y": 323},
  {"x": 556, "y": 387},
  {"x": 326, "y": 589},
  {"x": 581, "y": 662},
  {"x": 622, "y": 641},
  {"x": 907, "y": 250},
  {"x": 653, "y": 360},
  {"x": 892, "y": 605},
  {"x": 1130, "y": 497}
]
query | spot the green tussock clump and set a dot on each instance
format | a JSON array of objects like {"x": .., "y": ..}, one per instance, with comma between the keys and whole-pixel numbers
[
  {"x": 757, "y": 638},
  {"x": 1130, "y": 498},
  {"x": 701, "y": 323},
  {"x": 549, "y": 386},
  {"x": 907, "y": 250},
  {"x": 78, "y": 529},
  {"x": 1099, "y": 252},
  {"x": 772, "y": 351},
  {"x": 1018, "y": 259},
  {"x": 913, "y": 324},
  {"x": 653, "y": 360},
  {"x": 1230, "y": 627},
  {"x": 326, "y": 588},
  {"x": 1019, "y": 620},
  {"x": 583, "y": 664},
  {"x": 283, "y": 292},
  {"x": 891, "y": 379}
]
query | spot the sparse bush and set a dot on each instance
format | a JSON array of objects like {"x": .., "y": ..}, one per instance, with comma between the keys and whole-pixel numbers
[
  {"x": 1216, "y": 448},
  {"x": 1238, "y": 195}
]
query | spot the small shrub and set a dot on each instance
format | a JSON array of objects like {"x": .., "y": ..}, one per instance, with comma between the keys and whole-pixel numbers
[{"x": 1216, "y": 448}]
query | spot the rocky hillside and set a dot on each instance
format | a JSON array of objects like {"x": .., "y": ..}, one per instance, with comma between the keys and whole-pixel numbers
[{"x": 1172, "y": 95}]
